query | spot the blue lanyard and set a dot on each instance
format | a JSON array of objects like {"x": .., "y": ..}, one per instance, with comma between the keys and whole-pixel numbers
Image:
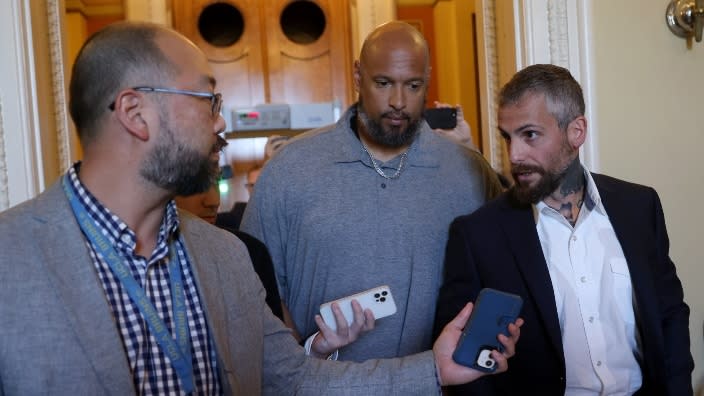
[{"x": 179, "y": 354}]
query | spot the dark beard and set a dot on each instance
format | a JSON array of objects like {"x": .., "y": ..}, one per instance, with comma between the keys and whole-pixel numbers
[
  {"x": 178, "y": 168},
  {"x": 394, "y": 136},
  {"x": 548, "y": 183}
]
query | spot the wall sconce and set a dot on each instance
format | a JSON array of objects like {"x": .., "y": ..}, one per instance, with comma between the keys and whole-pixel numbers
[{"x": 685, "y": 18}]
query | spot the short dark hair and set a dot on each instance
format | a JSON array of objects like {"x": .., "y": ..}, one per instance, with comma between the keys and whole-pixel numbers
[
  {"x": 119, "y": 56},
  {"x": 562, "y": 92}
]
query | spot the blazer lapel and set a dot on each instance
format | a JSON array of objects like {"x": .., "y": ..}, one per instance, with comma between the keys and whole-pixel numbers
[
  {"x": 629, "y": 236},
  {"x": 80, "y": 294},
  {"x": 212, "y": 298},
  {"x": 519, "y": 228}
]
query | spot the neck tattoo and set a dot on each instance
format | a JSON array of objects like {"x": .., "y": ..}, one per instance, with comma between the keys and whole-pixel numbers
[{"x": 401, "y": 164}]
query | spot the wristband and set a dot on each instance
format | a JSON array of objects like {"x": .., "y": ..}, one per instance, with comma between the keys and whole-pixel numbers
[{"x": 309, "y": 344}]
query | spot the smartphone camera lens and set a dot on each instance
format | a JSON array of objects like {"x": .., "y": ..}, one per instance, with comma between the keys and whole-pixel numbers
[
  {"x": 384, "y": 293},
  {"x": 489, "y": 363},
  {"x": 382, "y": 299},
  {"x": 377, "y": 295}
]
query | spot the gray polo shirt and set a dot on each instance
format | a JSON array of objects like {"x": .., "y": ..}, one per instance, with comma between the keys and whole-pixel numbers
[{"x": 335, "y": 227}]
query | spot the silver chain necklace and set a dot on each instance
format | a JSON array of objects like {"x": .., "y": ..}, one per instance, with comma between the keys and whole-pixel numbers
[{"x": 381, "y": 173}]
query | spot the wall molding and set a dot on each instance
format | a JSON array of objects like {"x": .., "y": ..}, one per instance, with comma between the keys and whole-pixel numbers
[
  {"x": 489, "y": 86},
  {"x": 58, "y": 81},
  {"x": 559, "y": 32}
]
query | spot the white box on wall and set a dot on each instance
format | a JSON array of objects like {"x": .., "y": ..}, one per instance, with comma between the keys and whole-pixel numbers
[{"x": 312, "y": 115}]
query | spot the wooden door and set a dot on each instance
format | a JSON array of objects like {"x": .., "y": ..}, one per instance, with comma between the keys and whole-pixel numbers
[
  {"x": 309, "y": 51},
  {"x": 234, "y": 53},
  {"x": 267, "y": 64},
  {"x": 258, "y": 59}
]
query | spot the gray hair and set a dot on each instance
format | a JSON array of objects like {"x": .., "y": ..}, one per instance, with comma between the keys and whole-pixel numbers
[
  {"x": 120, "y": 56},
  {"x": 563, "y": 94}
]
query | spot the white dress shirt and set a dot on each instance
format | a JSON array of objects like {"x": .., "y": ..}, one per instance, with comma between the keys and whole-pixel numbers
[{"x": 594, "y": 298}]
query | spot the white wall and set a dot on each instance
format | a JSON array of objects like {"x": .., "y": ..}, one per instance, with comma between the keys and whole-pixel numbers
[
  {"x": 20, "y": 178},
  {"x": 649, "y": 91}
]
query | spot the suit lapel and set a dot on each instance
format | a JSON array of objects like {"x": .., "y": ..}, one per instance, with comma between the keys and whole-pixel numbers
[
  {"x": 79, "y": 292},
  {"x": 202, "y": 256},
  {"x": 628, "y": 235},
  {"x": 519, "y": 227}
]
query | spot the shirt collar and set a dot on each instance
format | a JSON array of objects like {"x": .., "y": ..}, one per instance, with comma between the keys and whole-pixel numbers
[
  {"x": 117, "y": 231},
  {"x": 350, "y": 148}
]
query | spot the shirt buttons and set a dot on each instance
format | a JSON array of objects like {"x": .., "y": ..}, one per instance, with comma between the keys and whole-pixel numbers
[
  {"x": 591, "y": 319},
  {"x": 383, "y": 185},
  {"x": 598, "y": 363},
  {"x": 574, "y": 237},
  {"x": 583, "y": 279},
  {"x": 125, "y": 238}
]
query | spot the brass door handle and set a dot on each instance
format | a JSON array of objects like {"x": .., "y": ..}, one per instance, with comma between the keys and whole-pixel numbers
[{"x": 685, "y": 18}]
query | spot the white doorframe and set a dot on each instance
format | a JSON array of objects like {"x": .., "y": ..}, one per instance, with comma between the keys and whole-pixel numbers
[
  {"x": 556, "y": 32},
  {"x": 21, "y": 170}
]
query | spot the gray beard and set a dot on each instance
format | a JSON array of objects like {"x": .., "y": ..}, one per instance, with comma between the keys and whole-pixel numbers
[
  {"x": 394, "y": 137},
  {"x": 178, "y": 168}
]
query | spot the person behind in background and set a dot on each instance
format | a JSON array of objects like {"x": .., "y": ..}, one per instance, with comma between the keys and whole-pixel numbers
[
  {"x": 462, "y": 134},
  {"x": 108, "y": 289},
  {"x": 233, "y": 218},
  {"x": 588, "y": 253},
  {"x": 205, "y": 205},
  {"x": 368, "y": 201}
]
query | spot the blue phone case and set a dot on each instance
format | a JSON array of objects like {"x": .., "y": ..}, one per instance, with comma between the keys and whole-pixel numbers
[{"x": 493, "y": 311}]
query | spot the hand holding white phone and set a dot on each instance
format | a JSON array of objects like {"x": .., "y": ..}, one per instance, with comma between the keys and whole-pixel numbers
[{"x": 379, "y": 300}]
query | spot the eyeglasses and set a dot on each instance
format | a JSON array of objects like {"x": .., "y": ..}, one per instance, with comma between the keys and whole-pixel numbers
[{"x": 215, "y": 98}]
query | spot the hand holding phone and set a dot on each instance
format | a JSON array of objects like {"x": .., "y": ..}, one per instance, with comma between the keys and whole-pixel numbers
[
  {"x": 379, "y": 300},
  {"x": 441, "y": 117},
  {"x": 493, "y": 311}
]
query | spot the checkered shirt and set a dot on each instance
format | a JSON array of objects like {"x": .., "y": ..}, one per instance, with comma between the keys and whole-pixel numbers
[{"x": 152, "y": 372}]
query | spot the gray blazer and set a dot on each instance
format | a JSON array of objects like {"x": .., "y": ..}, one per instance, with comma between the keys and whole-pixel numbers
[{"x": 57, "y": 334}]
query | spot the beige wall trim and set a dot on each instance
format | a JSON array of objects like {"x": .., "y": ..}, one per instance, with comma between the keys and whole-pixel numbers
[
  {"x": 486, "y": 43},
  {"x": 55, "y": 10}
]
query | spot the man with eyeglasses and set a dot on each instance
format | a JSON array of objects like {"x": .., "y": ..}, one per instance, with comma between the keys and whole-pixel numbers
[{"x": 108, "y": 289}]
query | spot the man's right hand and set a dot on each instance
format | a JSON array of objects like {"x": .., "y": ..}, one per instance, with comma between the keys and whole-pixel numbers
[
  {"x": 451, "y": 373},
  {"x": 329, "y": 340}
]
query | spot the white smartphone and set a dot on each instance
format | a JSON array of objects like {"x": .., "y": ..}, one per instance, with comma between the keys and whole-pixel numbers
[{"x": 379, "y": 300}]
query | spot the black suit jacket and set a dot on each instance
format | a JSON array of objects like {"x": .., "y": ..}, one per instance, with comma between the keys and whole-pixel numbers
[{"x": 497, "y": 246}]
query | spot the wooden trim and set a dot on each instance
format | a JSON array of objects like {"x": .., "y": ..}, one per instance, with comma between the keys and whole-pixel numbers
[{"x": 90, "y": 10}]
